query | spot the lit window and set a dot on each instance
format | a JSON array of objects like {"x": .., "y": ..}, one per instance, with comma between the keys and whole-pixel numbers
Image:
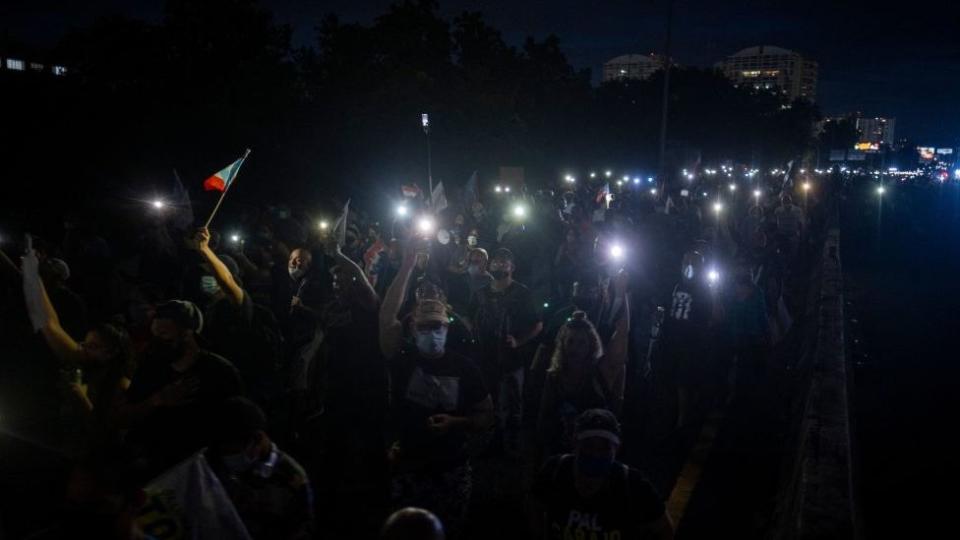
[
  {"x": 14, "y": 64},
  {"x": 36, "y": 67},
  {"x": 59, "y": 70}
]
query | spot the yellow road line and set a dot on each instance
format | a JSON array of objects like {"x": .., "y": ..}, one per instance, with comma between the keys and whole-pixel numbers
[{"x": 690, "y": 473}]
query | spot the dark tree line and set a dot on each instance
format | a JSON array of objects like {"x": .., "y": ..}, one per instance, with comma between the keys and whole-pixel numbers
[{"x": 216, "y": 76}]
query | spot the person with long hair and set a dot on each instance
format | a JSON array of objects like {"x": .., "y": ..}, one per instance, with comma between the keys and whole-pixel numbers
[{"x": 573, "y": 383}]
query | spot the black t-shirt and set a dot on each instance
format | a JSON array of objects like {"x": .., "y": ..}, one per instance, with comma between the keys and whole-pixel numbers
[
  {"x": 499, "y": 314},
  {"x": 172, "y": 433},
  {"x": 251, "y": 343},
  {"x": 349, "y": 371},
  {"x": 423, "y": 387},
  {"x": 622, "y": 510},
  {"x": 690, "y": 311}
]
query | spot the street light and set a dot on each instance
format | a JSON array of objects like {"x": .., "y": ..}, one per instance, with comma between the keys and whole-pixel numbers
[{"x": 608, "y": 174}]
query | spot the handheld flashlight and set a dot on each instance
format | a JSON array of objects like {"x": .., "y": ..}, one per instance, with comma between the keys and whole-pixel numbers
[
  {"x": 616, "y": 252},
  {"x": 425, "y": 120},
  {"x": 718, "y": 207},
  {"x": 713, "y": 276},
  {"x": 756, "y": 194},
  {"x": 425, "y": 225},
  {"x": 158, "y": 204},
  {"x": 733, "y": 187},
  {"x": 401, "y": 211},
  {"x": 324, "y": 225}
]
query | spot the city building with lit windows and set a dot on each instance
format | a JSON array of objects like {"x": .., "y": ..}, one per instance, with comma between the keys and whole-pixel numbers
[
  {"x": 778, "y": 70},
  {"x": 635, "y": 67},
  {"x": 876, "y": 131}
]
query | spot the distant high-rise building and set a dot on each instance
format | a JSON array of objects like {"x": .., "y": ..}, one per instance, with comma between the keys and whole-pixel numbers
[
  {"x": 876, "y": 130},
  {"x": 632, "y": 67},
  {"x": 771, "y": 68}
]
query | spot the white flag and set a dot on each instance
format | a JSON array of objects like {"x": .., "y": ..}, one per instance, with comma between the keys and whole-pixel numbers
[
  {"x": 340, "y": 226},
  {"x": 438, "y": 199},
  {"x": 189, "y": 502}
]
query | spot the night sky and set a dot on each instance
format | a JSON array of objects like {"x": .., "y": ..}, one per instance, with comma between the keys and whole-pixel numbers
[{"x": 896, "y": 59}]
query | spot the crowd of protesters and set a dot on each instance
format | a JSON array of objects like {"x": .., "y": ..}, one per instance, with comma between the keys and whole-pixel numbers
[{"x": 334, "y": 375}]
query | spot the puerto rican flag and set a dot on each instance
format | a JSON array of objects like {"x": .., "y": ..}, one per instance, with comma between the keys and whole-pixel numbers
[{"x": 221, "y": 181}]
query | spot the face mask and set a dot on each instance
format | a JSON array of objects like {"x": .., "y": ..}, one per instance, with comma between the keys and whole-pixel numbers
[
  {"x": 498, "y": 274},
  {"x": 688, "y": 271},
  {"x": 472, "y": 241},
  {"x": 593, "y": 467},
  {"x": 432, "y": 342},
  {"x": 473, "y": 270},
  {"x": 238, "y": 463},
  {"x": 209, "y": 285},
  {"x": 295, "y": 272}
]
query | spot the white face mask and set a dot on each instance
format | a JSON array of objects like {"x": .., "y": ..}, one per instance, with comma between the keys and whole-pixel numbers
[
  {"x": 295, "y": 272},
  {"x": 433, "y": 342},
  {"x": 472, "y": 240},
  {"x": 688, "y": 271}
]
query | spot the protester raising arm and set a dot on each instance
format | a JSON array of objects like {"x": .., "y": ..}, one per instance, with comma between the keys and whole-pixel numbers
[
  {"x": 42, "y": 315},
  {"x": 353, "y": 272},
  {"x": 201, "y": 242},
  {"x": 391, "y": 330}
]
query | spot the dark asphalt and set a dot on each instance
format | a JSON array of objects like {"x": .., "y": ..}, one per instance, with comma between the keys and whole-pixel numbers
[{"x": 902, "y": 279}]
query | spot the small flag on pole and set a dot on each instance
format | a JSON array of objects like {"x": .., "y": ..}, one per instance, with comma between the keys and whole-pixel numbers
[
  {"x": 411, "y": 190},
  {"x": 183, "y": 210},
  {"x": 438, "y": 199},
  {"x": 471, "y": 192},
  {"x": 221, "y": 181},
  {"x": 604, "y": 193},
  {"x": 340, "y": 226}
]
